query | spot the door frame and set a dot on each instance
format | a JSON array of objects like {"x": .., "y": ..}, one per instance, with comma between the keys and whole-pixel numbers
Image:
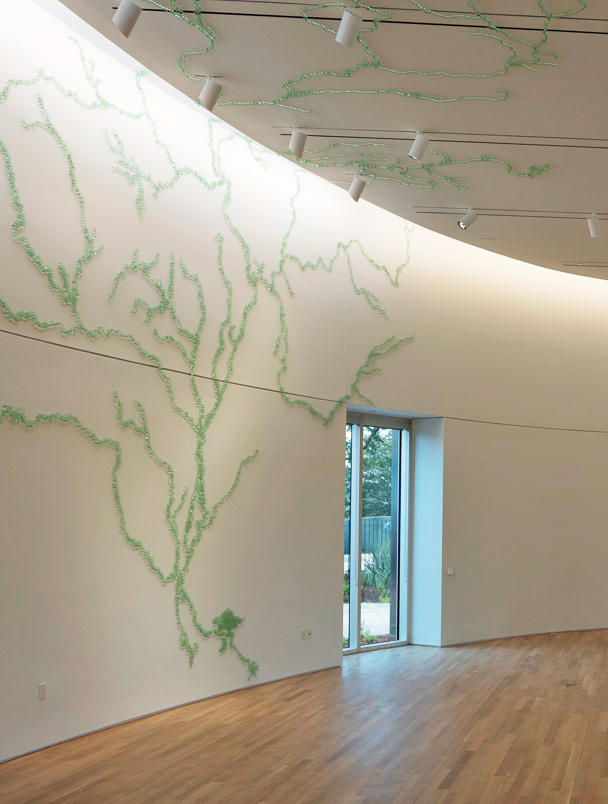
[{"x": 361, "y": 420}]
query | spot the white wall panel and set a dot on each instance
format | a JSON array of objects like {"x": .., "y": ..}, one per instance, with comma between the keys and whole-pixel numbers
[{"x": 524, "y": 529}]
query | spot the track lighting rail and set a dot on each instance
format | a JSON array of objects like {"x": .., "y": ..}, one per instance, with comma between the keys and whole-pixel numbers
[
  {"x": 585, "y": 143},
  {"x": 511, "y": 213},
  {"x": 436, "y": 23}
]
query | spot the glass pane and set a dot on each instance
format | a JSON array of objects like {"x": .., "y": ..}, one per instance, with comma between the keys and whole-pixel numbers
[
  {"x": 347, "y": 517},
  {"x": 379, "y": 535}
]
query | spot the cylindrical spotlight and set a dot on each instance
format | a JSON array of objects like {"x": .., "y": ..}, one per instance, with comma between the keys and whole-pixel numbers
[
  {"x": 297, "y": 141},
  {"x": 594, "y": 225},
  {"x": 349, "y": 28},
  {"x": 126, "y": 16},
  {"x": 419, "y": 146},
  {"x": 468, "y": 219},
  {"x": 210, "y": 93},
  {"x": 356, "y": 188}
]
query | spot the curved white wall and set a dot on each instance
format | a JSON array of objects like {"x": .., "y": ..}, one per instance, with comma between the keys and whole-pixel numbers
[{"x": 496, "y": 343}]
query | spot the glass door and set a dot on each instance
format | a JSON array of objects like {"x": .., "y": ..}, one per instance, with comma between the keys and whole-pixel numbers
[{"x": 375, "y": 533}]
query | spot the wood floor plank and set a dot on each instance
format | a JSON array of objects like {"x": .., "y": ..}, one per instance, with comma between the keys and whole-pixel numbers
[
  {"x": 521, "y": 720},
  {"x": 527, "y": 745},
  {"x": 591, "y": 784}
]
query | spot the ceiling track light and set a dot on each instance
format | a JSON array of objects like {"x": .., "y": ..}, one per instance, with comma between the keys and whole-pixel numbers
[
  {"x": 210, "y": 92},
  {"x": 499, "y": 212},
  {"x": 594, "y": 225},
  {"x": 468, "y": 219},
  {"x": 349, "y": 28},
  {"x": 419, "y": 146},
  {"x": 297, "y": 141},
  {"x": 356, "y": 188},
  {"x": 126, "y": 16}
]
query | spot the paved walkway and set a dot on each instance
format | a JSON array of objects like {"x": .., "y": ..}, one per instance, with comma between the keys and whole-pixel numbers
[{"x": 376, "y": 616}]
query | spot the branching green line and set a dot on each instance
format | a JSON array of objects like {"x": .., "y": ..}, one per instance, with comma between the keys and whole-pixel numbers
[
  {"x": 516, "y": 46},
  {"x": 197, "y": 22},
  {"x": 162, "y": 318},
  {"x": 372, "y": 165},
  {"x": 17, "y": 416},
  {"x": 522, "y": 53},
  {"x": 189, "y": 513}
]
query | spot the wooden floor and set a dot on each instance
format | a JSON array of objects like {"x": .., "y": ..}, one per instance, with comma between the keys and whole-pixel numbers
[{"x": 515, "y": 720}]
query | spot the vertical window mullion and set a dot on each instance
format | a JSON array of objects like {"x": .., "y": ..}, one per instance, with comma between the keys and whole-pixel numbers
[
  {"x": 355, "y": 538},
  {"x": 404, "y": 537},
  {"x": 395, "y": 534}
]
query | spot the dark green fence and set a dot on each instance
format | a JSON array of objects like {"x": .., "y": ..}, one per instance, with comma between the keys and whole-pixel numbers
[{"x": 374, "y": 530}]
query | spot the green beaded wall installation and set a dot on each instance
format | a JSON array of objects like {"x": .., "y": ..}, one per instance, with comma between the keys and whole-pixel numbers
[
  {"x": 189, "y": 512},
  {"x": 520, "y": 52},
  {"x": 195, "y": 20},
  {"x": 386, "y": 167}
]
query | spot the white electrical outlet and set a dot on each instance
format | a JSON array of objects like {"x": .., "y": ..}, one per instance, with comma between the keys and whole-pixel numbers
[
  {"x": 41, "y": 692},
  {"x": 309, "y": 633},
  {"x": 303, "y": 634}
]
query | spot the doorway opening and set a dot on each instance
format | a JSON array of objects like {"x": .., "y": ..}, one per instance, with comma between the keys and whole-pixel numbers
[{"x": 376, "y": 503}]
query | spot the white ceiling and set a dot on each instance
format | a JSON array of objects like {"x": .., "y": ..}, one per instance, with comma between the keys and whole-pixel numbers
[{"x": 554, "y": 115}]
